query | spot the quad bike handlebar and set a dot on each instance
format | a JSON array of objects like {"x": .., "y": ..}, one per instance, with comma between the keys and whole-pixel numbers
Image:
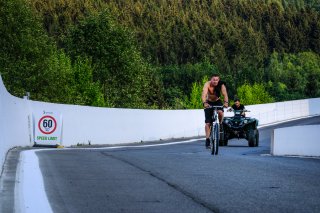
[{"x": 232, "y": 110}]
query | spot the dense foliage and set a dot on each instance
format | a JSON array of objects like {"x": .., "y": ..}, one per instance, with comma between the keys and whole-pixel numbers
[
  {"x": 119, "y": 68},
  {"x": 158, "y": 54},
  {"x": 30, "y": 61}
]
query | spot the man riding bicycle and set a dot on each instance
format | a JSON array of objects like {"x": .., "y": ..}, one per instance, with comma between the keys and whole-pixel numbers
[{"x": 211, "y": 93}]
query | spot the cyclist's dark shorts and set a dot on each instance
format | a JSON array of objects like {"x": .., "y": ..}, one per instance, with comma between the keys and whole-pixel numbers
[{"x": 208, "y": 112}]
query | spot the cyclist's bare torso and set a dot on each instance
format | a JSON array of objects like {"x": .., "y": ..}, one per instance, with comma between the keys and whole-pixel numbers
[{"x": 210, "y": 92}]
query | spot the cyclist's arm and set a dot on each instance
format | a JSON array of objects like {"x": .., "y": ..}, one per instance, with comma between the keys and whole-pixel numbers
[
  {"x": 225, "y": 95},
  {"x": 205, "y": 94}
]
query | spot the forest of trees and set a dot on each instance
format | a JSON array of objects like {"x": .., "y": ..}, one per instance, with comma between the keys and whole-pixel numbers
[{"x": 158, "y": 54}]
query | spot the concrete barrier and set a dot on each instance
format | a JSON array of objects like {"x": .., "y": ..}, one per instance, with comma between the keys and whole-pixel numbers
[
  {"x": 296, "y": 140},
  {"x": 97, "y": 125},
  {"x": 14, "y": 122}
]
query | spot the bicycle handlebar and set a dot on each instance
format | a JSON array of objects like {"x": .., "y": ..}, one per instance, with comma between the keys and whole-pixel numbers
[{"x": 216, "y": 107}]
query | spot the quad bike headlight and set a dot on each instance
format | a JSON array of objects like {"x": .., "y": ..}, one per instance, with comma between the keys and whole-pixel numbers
[{"x": 245, "y": 121}]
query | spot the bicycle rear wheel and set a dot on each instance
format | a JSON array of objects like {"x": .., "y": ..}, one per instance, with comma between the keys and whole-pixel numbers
[{"x": 214, "y": 139}]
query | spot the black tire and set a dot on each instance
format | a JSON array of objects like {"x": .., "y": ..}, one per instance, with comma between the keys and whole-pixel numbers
[
  {"x": 214, "y": 139},
  {"x": 253, "y": 138},
  {"x": 257, "y": 137},
  {"x": 224, "y": 142},
  {"x": 217, "y": 138},
  {"x": 211, "y": 137}
]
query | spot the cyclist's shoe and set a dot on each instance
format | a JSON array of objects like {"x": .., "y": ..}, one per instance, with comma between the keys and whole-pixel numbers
[{"x": 207, "y": 143}]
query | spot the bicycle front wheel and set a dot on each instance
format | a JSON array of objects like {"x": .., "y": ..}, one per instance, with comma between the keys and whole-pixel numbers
[{"x": 214, "y": 139}]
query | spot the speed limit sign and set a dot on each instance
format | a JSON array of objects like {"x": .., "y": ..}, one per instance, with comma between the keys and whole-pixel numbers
[
  {"x": 47, "y": 128},
  {"x": 47, "y": 124}
]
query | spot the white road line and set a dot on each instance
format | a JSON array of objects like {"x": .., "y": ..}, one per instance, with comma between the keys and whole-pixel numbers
[
  {"x": 30, "y": 194},
  {"x": 140, "y": 146}
]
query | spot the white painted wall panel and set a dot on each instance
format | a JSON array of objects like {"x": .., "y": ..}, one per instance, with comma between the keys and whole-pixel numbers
[{"x": 296, "y": 140}]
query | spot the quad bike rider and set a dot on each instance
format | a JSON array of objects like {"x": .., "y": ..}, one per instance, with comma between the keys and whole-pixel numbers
[{"x": 240, "y": 126}]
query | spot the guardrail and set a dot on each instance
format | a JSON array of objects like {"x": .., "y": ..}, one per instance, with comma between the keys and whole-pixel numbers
[{"x": 97, "y": 125}]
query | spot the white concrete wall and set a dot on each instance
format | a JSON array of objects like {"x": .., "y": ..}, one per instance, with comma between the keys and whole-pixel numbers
[
  {"x": 281, "y": 111},
  {"x": 14, "y": 122},
  {"x": 296, "y": 140},
  {"x": 82, "y": 124}
]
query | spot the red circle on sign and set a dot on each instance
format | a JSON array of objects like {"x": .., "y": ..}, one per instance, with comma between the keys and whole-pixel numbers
[{"x": 55, "y": 124}]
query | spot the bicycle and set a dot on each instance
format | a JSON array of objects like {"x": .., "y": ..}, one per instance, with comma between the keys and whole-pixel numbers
[{"x": 215, "y": 130}]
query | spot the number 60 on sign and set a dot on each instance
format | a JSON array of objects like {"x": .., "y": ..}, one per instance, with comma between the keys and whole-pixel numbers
[{"x": 47, "y": 124}]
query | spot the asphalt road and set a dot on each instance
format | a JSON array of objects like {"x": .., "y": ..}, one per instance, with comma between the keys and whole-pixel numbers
[
  {"x": 182, "y": 178},
  {"x": 166, "y": 178}
]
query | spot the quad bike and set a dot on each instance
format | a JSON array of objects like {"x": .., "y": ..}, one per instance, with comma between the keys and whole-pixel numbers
[{"x": 240, "y": 126}]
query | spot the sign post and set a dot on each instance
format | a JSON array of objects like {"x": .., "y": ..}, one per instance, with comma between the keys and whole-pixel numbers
[{"x": 47, "y": 128}]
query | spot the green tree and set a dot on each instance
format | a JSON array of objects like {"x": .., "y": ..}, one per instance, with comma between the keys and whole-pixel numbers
[
  {"x": 86, "y": 91},
  {"x": 178, "y": 80},
  {"x": 118, "y": 66},
  {"x": 30, "y": 61},
  {"x": 273, "y": 41},
  {"x": 254, "y": 94},
  {"x": 70, "y": 82},
  {"x": 195, "y": 101},
  {"x": 310, "y": 63},
  {"x": 295, "y": 74},
  {"x": 25, "y": 49}
]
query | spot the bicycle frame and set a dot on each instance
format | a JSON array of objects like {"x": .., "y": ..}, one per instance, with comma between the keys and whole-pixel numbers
[{"x": 215, "y": 130}]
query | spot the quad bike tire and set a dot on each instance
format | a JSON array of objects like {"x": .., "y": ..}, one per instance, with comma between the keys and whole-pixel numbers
[
  {"x": 223, "y": 138},
  {"x": 223, "y": 142},
  {"x": 257, "y": 137},
  {"x": 253, "y": 138}
]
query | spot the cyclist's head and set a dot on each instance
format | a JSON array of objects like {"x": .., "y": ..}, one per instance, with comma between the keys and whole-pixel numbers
[{"x": 215, "y": 80}]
